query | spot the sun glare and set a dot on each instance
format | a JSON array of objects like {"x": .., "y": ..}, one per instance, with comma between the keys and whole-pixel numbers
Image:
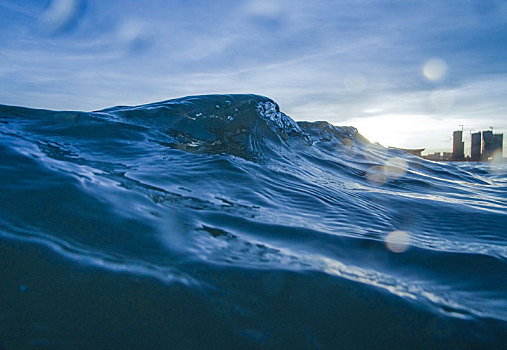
[
  {"x": 387, "y": 130},
  {"x": 407, "y": 131}
]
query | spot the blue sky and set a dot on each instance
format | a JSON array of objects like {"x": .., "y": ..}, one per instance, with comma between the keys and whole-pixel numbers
[{"x": 405, "y": 73}]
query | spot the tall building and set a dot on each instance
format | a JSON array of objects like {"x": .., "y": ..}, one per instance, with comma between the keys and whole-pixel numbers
[
  {"x": 475, "y": 150},
  {"x": 491, "y": 144},
  {"x": 499, "y": 144},
  {"x": 458, "y": 146}
]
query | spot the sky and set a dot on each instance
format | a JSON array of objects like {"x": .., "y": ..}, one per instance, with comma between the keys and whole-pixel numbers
[{"x": 405, "y": 73}]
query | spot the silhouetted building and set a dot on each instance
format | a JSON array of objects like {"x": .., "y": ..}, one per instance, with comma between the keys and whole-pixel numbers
[
  {"x": 475, "y": 150},
  {"x": 491, "y": 144},
  {"x": 414, "y": 151},
  {"x": 458, "y": 146},
  {"x": 433, "y": 156},
  {"x": 499, "y": 144}
]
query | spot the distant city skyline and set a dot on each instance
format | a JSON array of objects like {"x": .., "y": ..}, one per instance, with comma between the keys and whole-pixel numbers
[
  {"x": 405, "y": 73},
  {"x": 444, "y": 144}
]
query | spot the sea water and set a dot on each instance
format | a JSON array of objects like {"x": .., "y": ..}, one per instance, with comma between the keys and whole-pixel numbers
[{"x": 219, "y": 222}]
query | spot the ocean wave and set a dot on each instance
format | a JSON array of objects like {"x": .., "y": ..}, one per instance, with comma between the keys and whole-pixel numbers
[{"x": 254, "y": 228}]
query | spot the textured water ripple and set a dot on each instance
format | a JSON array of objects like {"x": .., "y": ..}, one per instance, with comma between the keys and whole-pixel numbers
[{"x": 234, "y": 212}]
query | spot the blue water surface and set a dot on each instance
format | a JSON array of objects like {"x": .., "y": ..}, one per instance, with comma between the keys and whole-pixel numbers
[{"x": 217, "y": 221}]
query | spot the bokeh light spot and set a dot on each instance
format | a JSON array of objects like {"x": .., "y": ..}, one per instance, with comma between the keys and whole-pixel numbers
[
  {"x": 62, "y": 15},
  {"x": 263, "y": 8},
  {"x": 376, "y": 175},
  {"x": 497, "y": 163},
  {"x": 347, "y": 141},
  {"x": 397, "y": 241},
  {"x": 435, "y": 69},
  {"x": 395, "y": 168},
  {"x": 134, "y": 35}
]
